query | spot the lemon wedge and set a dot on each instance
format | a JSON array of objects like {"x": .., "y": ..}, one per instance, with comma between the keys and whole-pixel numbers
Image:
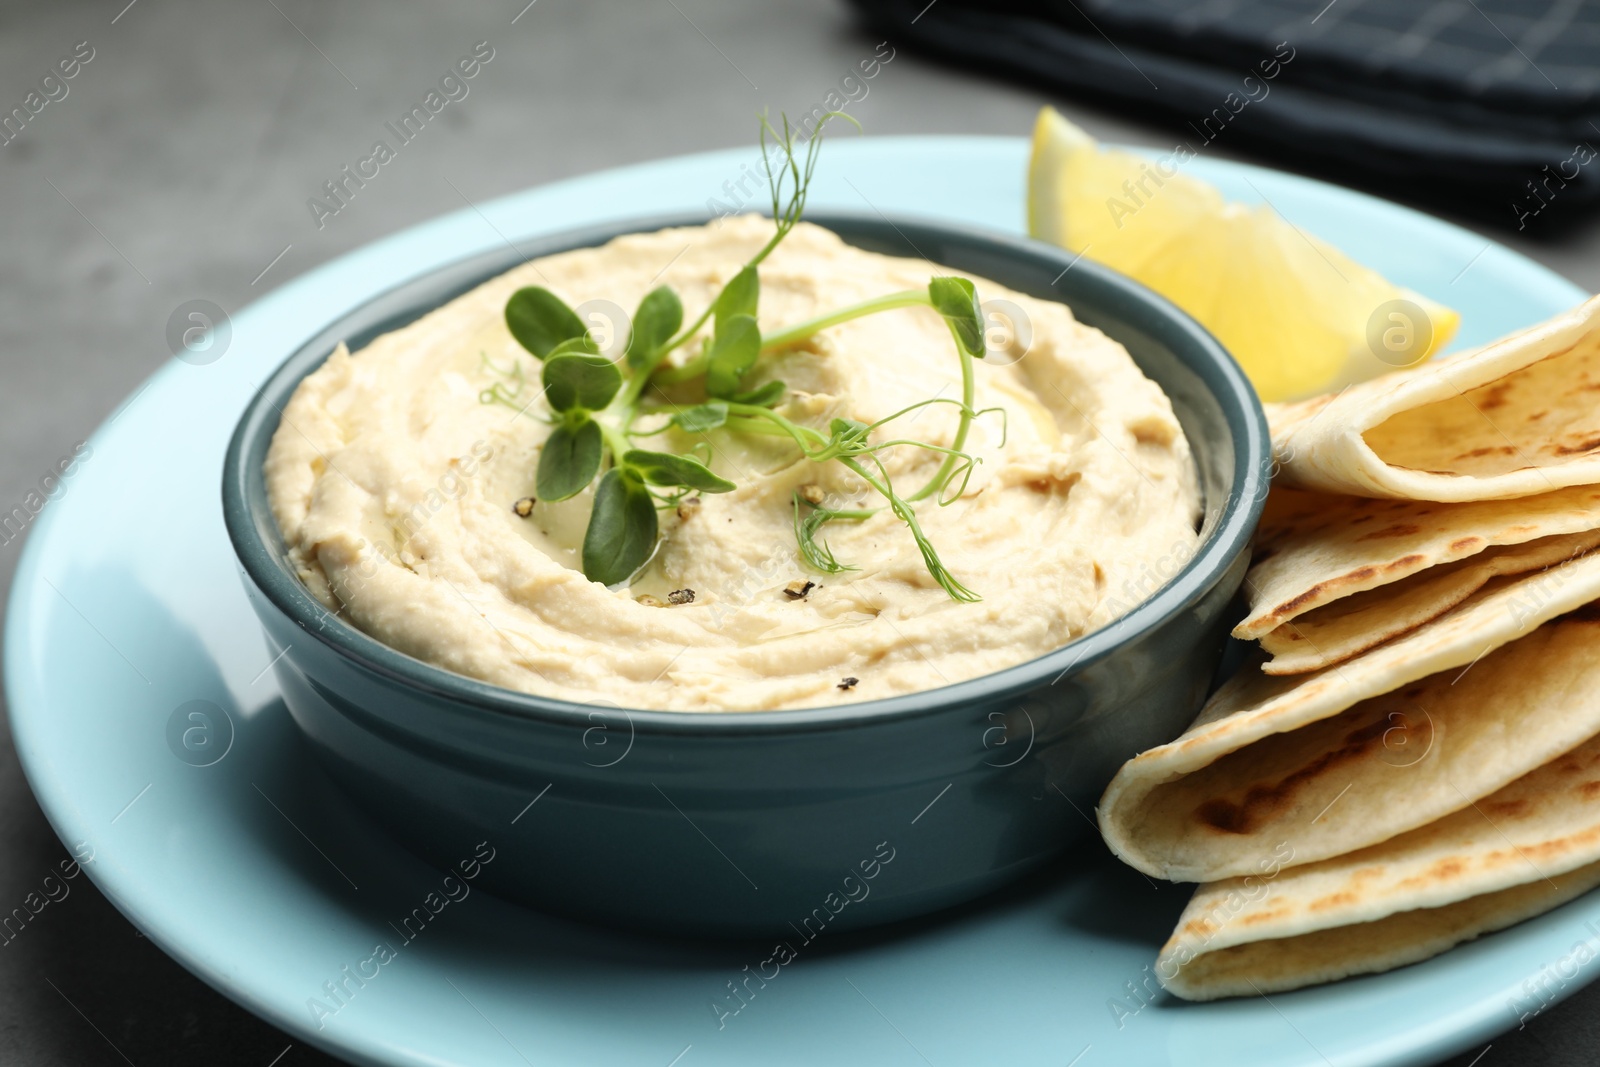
[{"x": 1300, "y": 316}]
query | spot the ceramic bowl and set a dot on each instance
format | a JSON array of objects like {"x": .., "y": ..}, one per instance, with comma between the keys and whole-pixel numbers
[{"x": 763, "y": 822}]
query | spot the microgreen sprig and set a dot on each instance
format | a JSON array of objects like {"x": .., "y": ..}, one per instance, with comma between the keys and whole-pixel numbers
[
  {"x": 819, "y": 556},
  {"x": 595, "y": 404}
]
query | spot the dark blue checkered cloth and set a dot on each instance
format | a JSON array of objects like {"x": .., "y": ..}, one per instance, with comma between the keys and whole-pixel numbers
[{"x": 1488, "y": 105}]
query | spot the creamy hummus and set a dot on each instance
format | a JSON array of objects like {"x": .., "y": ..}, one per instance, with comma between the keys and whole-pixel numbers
[{"x": 396, "y": 488}]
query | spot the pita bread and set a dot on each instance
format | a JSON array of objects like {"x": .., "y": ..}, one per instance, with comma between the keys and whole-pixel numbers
[
  {"x": 1366, "y": 948},
  {"x": 1527, "y": 848},
  {"x": 1267, "y": 754},
  {"x": 1313, "y": 548},
  {"x": 1515, "y": 418},
  {"x": 1356, "y": 623}
]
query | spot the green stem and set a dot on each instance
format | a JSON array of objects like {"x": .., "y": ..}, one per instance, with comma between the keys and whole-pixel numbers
[
  {"x": 881, "y": 486},
  {"x": 677, "y": 341},
  {"x": 761, "y": 427},
  {"x": 629, "y": 400},
  {"x": 941, "y": 449},
  {"x": 632, "y": 390},
  {"x": 903, "y": 511},
  {"x": 968, "y": 396},
  {"x": 782, "y": 223},
  {"x": 690, "y": 370},
  {"x": 800, "y": 331},
  {"x": 614, "y": 439},
  {"x": 804, "y": 436}
]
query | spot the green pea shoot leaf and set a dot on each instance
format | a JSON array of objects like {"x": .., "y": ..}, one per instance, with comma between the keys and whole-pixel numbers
[
  {"x": 957, "y": 300},
  {"x": 663, "y": 468},
  {"x": 739, "y": 297},
  {"x": 702, "y": 417},
  {"x": 763, "y": 396},
  {"x": 570, "y": 459},
  {"x": 540, "y": 320},
  {"x": 659, "y": 316},
  {"x": 734, "y": 349},
  {"x": 579, "y": 380},
  {"x": 622, "y": 529}
]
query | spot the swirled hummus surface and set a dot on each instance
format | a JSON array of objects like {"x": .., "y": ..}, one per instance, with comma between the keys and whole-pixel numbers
[{"x": 396, "y": 485}]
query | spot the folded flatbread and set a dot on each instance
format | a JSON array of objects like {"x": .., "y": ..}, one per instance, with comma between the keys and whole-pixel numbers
[
  {"x": 1353, "y": 624},
  {"x": 1396, "y": 737},
  {"x": 1514, "y": 418},
  {"x": 1312, "y": 549},
  {"x": 1527, "y": 848}
]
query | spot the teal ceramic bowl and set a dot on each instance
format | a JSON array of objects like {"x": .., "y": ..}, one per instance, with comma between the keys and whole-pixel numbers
[{"x": 747, "y": 823}]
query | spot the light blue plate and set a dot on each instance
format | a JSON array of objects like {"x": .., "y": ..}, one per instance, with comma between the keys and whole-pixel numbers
[{"x": 255, "y": 874}]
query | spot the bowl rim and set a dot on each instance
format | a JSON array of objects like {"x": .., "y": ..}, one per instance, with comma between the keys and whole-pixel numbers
[{"x": 1193, "y": 345}]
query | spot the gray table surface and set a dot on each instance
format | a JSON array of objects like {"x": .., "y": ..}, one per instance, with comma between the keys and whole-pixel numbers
[{"x": 178, "y": 166}]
